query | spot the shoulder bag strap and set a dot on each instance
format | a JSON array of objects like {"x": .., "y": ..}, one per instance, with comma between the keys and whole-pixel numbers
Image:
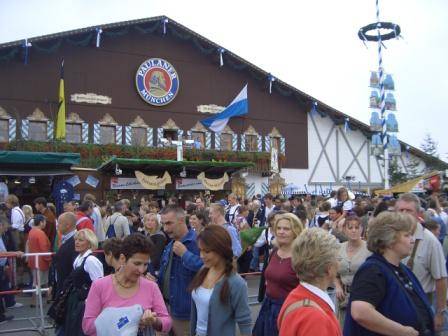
[
  {"x": 299, "y": 304},
  {"x": 410, "y": 262}
]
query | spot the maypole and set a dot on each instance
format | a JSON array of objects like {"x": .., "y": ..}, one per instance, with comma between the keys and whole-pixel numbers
[{"x": 383, "y": 123}]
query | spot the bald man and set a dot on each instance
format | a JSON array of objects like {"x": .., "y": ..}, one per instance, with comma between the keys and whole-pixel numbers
[{"x": 66, "y": 255}]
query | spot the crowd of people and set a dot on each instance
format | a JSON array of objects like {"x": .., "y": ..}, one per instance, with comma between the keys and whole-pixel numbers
[{"x": 329, "y": 265}]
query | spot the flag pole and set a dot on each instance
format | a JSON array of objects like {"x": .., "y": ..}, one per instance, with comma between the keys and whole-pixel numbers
[{"x": 60, "y": 122}]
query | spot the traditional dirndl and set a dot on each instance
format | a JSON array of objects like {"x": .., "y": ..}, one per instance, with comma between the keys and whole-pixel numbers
[{"x": 266, "y": 324}]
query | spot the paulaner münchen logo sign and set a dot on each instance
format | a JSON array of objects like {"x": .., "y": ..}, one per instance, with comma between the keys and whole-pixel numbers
[{"x": 157, "y": 81}]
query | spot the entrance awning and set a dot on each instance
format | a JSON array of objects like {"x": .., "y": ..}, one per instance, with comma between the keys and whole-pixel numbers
[
  {"x": 407, "y": 186},
  {"x": 128, "y": 166},
  {"x": 20, "y": 163},
  {"x": 39, "y": 158}
]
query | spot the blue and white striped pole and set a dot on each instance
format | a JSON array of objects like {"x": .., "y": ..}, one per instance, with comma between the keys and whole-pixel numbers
[{"x": 384, "y": 135}]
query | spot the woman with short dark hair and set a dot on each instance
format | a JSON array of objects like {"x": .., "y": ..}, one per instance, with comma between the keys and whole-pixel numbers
[
  {"x": 386, "y": 297},
  {"x": 126, "y": 293}
]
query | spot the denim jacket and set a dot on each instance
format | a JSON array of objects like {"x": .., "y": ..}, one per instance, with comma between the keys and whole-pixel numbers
[{"x": 183, "y": 269}]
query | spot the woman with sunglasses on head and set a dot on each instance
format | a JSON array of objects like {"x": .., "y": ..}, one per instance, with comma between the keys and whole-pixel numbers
[
  {"x": 219, "y": 294},
  {"x": 352, "y": 255},
  {"x": 126, "y": 293}
]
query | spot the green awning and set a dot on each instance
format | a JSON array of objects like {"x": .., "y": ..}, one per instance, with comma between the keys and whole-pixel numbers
[
  {"x": 211, "y": 167},
  {"x": 39, "y": 158}
]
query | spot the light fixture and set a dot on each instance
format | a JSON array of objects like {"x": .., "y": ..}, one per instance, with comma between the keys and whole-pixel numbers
[
  {"x": 32, "y": 180},
  {"x": 17, "y": 181},
  {"x": 118, "y": 171},
  {"x": 183, "y": 173}
]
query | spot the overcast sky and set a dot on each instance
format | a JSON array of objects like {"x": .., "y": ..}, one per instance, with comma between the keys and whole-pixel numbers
[{"x": 312, "y": 45}]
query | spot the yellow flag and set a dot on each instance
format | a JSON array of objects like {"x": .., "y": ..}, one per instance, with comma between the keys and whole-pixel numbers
[{"x": 60, "y": 123}]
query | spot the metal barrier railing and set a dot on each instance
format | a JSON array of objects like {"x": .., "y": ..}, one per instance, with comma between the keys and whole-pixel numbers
[{"x": 38, "y": 290}]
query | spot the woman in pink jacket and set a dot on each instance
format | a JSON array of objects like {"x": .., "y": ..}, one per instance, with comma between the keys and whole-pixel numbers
[{"x": 114, "y": 302}]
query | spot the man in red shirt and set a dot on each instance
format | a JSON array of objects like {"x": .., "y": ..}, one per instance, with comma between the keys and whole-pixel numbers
[
  {"x": 40, "y": 204},
  {"x": 83, "y": 220}
]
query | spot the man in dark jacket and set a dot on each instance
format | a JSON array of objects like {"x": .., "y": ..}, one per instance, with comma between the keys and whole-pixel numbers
[{"x": 66, "y": 255}]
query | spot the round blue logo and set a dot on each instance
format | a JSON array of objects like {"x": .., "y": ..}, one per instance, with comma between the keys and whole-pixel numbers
[{"x": 157, "y": 81}]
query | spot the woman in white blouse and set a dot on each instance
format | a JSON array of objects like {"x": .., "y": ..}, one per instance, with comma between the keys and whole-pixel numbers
[{"x": 86, "y": 269}]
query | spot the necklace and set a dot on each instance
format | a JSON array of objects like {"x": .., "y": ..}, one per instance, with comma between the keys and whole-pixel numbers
[{"x": 120, "y": 284}]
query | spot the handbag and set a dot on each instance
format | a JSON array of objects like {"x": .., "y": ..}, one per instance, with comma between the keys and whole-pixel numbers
[{"x": 58, "y": 310}]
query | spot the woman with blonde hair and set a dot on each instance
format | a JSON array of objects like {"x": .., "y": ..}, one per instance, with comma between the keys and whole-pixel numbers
[
  {"x": 153, "y": 230},
  {"x": 386, "y": 298},
  {"x": 352, "y": 255},
  {"x": 280, "y": 277},
  {"x": 308, "y": 309},
  {"x": 28, "y": 213},
  {"x": 86, "y": 269}
]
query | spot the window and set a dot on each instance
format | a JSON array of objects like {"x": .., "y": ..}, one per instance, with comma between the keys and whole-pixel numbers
[
  {"x": 4, "y": 129},
  {"x": 251, "y": 143},
  {"x": 275, "y": 143},
  {"x": 199, "y": 139},
  {"x": 139, "y": 136},
  {"x": 107, "y": 135},
  {"x": 38, "y": 130},
  {"x": 73, "y": 133},
  {"x": 226, "y": 141}
]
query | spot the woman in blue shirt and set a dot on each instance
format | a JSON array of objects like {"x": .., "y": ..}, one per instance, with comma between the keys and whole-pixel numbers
[{"x": 219, "y": 294}]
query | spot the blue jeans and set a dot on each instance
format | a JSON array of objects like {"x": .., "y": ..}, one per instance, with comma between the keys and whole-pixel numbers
[{"x": 255, "y": 262}]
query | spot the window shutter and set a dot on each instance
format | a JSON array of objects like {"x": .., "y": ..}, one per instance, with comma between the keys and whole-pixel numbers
[
  {"x": 159, "y": 137},
  {"x": 149, "y": 137},
  {"x": 235, "y": 142},
  {"x": 267, "y": 143},
  {"x": 208, "y": 140},
  {"x": 50, "y": 130},
  {"x": 25, "y": 129},
  {"x": 12, "y": 129},
  {"x": 218, "y": 141},
  {"x": 243, "y": 142},
  {"x": 264, "y": 188},
  {"x": 250, "y": 190},
  {"x": 128, "y": 135},
  {"x": 85, "y": 133},
  {"x": 97, "y": 134},
  {"x": 283, "y": 146},
  {"x": 259, "y": 143},
  {"x": 118, "y": 135}
]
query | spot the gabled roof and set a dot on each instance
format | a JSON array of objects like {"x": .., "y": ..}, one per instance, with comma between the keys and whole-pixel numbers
[{"x": 156, "y": 24}]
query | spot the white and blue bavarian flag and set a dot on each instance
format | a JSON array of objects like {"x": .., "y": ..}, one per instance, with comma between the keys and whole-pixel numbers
[{"x": 239, "y": 106}]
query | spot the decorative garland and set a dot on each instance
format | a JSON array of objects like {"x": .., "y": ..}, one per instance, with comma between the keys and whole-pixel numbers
[
  {"x": 93, "y": 155},
  {"x": 39, "y": 47},
  {"x": 83, "y": 42},
  {"x": 148, "y": 30},
  {"x": 394, "y": 33},
  {"x": 9, "y": 54}
]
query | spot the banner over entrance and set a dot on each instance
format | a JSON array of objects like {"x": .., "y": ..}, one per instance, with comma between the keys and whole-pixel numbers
[
  {"x": 213, "y": 184},
  {"x": 153, "y": 182}
]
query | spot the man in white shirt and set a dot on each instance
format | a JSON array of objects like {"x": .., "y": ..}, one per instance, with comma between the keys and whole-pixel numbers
[
  {"x": 96, "y": 217},
  {"x": 268, "y": 205},
  {"x": 17, "y": 221},
  {"x": 232, "y": 209}
]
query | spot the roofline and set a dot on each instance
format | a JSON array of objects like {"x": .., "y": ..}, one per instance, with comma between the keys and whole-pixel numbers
[{"x": 304, "y": 98}]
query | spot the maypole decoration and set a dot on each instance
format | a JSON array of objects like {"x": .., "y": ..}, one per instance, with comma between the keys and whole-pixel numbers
[{"x": 381, "y": 98}]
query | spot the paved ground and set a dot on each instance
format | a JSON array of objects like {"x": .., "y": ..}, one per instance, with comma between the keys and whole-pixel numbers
[{"x": 27, "y": 321}]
